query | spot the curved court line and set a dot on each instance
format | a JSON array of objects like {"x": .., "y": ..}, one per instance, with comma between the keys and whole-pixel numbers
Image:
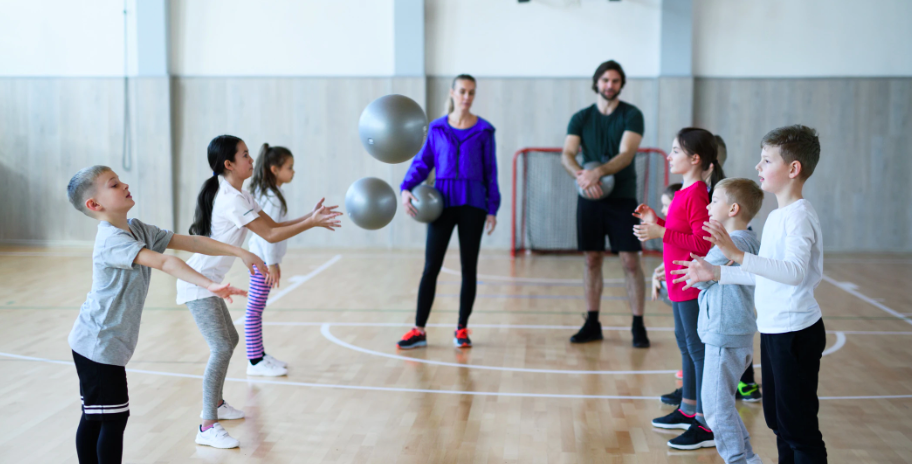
[
  {"x": 420, "y": 390},
  {"x": 840, "y": 341},
  {"x": 296, "y": 282},
  {"x": 324, "y": 330}
]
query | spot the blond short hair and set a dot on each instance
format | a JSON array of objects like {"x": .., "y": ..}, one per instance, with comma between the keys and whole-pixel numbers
[{"x": 745, "y": 192}]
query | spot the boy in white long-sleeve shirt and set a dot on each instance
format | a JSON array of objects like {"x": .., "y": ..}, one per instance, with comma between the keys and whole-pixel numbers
[{"x": 786, "y": 271}]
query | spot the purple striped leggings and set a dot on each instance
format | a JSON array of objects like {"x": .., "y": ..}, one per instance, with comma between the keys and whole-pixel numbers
[{"x": 257, "y": 295}]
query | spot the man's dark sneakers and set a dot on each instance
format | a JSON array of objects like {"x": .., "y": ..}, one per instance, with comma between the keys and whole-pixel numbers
[
  {"x": 695, "y": 437},
  {"x": 413, "y": 339},
  {"x": 590, "y": 332},
  {"x": 749, "y": 392},
  {"x": 675, "y": 420},
  {"x": 673, "y": 398},
  {"x": 640, "y": 340}
]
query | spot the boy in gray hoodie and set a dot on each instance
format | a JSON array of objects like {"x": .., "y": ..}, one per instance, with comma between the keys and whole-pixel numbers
[{"x": 727, "y": 322}]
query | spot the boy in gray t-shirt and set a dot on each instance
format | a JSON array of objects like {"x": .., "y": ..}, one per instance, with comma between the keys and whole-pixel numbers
[
  {"x": 727, "y": 323},
  {"x": 105, "y": 333}
]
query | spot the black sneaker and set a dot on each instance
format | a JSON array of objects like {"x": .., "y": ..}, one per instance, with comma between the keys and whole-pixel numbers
[
  {"x": 413, "y": 339},
  {"x": 590, "y": 332},
  {"x": 695, "y": 437},
  {"x": 461, "y": 338},
  {"x": 749, "y": 392},
  {"x": 673, "y": 398},
  {"x": 675, "y": 420},
  {"x": 640, "y": 340}
]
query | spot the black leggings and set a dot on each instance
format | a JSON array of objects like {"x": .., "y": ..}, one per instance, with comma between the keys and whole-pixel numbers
[
  {"x": 100, "y": 442},
  {"x": 471, "y": 222}
]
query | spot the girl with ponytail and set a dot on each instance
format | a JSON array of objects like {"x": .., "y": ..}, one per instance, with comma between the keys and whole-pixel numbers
[
  {"x": 274, "y": 168},
  {"x": 694, "y": 155},
  {"x": 225, "y": 212}
]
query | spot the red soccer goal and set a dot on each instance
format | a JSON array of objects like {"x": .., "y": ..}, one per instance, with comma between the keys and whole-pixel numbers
[{"x": 544, "y": 198}]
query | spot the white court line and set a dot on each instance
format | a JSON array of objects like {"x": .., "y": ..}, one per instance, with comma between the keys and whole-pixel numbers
[
  {"x": 324, "y": 329},
  {"x": 850, "y": 288},
  {"x": 419, "y": 390},
  {"x": 840, "y": 342},
  {"x": 296, "y": 282}
]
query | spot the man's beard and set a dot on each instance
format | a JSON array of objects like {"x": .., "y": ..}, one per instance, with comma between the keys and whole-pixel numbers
[{"x": 608, "y": 96}]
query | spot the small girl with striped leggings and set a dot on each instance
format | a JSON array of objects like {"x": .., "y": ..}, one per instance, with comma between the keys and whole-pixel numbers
[{"x": 274, "y": 167}]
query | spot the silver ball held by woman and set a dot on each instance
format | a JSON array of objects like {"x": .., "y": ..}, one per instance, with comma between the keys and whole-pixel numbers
[{"x": 428, "y": 202}]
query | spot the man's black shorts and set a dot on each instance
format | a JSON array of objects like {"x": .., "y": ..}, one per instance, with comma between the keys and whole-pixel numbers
[
  {"x": 610, "y": 216},
  {"x": 103, "y": 388}
]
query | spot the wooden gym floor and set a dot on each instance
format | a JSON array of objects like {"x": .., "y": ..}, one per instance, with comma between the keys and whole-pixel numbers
[{"x": 523, "y": 394}]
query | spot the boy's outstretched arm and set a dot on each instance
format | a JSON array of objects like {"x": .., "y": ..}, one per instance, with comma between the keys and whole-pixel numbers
[
  {"x": 178, "y": 268},
  {"x": 207, "y": 246}
]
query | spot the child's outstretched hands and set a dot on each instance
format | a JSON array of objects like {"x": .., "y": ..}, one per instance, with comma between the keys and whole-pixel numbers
[
  {"x": 719, "y": 237},
  {"x": 275, "y": 273},
  {"x": 225, "y": 291},
  {"x": 694, "y": 271},
  {"x": 646, "y": 214},
  {"x": 648, "y": 231},
  {"x": 250, "y": 260},
  {"x": 325, "y": 216}
]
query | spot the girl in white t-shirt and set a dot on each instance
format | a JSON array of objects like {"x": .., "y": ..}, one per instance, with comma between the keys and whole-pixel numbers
[
  {"x": 274, "y": 167},
  {"x": 224, "y": 212}
]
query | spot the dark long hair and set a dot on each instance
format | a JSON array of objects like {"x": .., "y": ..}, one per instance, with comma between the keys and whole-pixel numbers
[
  {"x": 696, "y": 141},
  {"x": 263, "y": 178},
  {"x": 222, "y": 148}
]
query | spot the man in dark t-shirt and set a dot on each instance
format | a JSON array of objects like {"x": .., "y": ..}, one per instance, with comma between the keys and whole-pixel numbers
[{"x": 609, "y": 132}]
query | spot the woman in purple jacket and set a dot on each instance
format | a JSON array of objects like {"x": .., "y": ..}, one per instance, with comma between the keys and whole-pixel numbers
[{"x": 460, "y": 146}]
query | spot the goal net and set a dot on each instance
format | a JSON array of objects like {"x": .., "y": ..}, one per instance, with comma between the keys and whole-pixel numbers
[{"x": 545, "y": 196}]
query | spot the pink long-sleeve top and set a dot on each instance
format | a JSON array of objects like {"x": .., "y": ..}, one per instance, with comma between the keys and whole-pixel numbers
[{"x": 684, "y": 235}]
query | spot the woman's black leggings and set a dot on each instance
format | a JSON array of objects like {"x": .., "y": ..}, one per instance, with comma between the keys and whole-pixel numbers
[
  {"x": 471, "y": 222},
  {"x": 100, "y": 442}
]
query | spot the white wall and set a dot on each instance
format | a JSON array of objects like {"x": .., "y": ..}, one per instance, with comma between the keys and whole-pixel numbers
[
  {"x": 504, "y": 38},
  {"x": 282, "y": 38},
  {"x": 61, "y": 38},
  {"x": 806, "y": 38}
]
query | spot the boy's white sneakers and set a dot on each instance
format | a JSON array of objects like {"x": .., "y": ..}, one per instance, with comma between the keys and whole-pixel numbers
[
  {"x": 216, "y": 437},
  {"x": 226, "y": 412},
  {"x": 275, "y": 361},
  {"x": 266, "y": 368}
]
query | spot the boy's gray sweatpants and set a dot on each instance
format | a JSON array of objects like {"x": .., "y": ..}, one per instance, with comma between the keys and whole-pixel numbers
[
  {"x": 214, "y": 322},
  {"x": 722, "y": 369}
]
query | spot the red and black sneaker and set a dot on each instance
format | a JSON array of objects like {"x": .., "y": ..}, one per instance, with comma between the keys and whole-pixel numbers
[
  {"x": 461, "y": 338},
  {"x": 413, "y": 339}
]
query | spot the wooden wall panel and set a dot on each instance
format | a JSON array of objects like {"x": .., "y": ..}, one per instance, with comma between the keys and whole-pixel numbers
[
  {"x": 860, "y": 188},
  {"x": 50, "y": 128}
]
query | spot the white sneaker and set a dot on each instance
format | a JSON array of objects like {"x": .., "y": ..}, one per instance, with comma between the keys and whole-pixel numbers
[
  {"x": 266, "y": 368},
  {"x": 275, "y": 361},
  {"x": 226, "y": 412},
  {"x": 216, "y": 437}
]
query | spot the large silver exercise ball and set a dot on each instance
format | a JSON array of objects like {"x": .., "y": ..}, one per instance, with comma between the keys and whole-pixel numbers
[
  {"x": 392, "y": 128},
  {"x": 370, "y": 203},
  {"x": 429, "y": 203},
  {"x": 606, "y": 181}
]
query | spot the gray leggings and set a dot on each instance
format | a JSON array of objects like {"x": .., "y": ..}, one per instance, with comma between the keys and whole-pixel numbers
[{"x": 214, "y": 322}]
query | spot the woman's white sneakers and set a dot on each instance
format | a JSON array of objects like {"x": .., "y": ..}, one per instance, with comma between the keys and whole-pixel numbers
[
  {"x": 267, "y": 367},
  {"x": 216, "y": 437},
  {"x": 227, "y": 412}
]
